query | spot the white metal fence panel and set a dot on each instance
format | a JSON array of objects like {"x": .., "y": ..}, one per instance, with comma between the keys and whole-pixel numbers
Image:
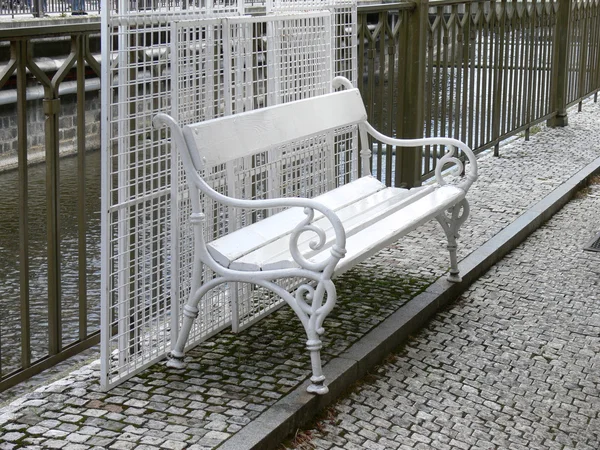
[
  {"x": 344, "y": 30},
  {"x": 222, "y": 66},
  {"x": 136, "y": 191},
  {"x": 261, "y": 61},
  {"x": 200, "y": 92},
  {"x": 294, "y": 63}
]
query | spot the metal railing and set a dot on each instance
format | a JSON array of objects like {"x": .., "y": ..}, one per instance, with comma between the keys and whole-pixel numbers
[
  {"x": 583, "y": 48},
  {"x": 477, "y": 71},
  {"x": 22, "y": 70},
  {"x": 41, "y": 8}
]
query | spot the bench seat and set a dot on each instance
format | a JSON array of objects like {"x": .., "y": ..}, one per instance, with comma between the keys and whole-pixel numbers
[{"x": 373, "y": 216}]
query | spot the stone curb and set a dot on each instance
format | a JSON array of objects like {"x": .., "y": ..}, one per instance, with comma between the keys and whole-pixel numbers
[{"x": 299, "y": 407}]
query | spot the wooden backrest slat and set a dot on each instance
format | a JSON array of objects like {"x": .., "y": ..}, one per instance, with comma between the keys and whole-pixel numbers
[{"x": 224, "y": 139}]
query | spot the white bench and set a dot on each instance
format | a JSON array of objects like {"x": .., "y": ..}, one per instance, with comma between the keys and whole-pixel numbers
[{"x": 315, "y": 239}]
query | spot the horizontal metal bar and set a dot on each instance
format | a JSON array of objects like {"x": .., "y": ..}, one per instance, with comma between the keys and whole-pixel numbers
[
  {"x": 146, "y": 18},
  {"x": 584, "y": 97},
  {"x": 37, "y": 92},
  {"x": 273, "y": 18},
  {"x": 28, "y": 32},
  {"x": 435, "y": 3},
  {"x": 39, "y": 366},
  {"x": 139, "y": 200},
  {"x": 363, "y": 9}
]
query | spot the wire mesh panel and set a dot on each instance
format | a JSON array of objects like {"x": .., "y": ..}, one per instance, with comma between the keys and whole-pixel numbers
[
  {"x": 301, "y": 53},
  {"x": 230, "y": 66},
  {"x": 344, "y": 49},
  {"x": 305, "y": 168},
  {"x": 278, "y": 59},
  {"x": 197, "y": 55},
  {"x": 345, "y": 42},
  {"x": 344, "y": 30},
  {"x": 208, "y": 66},
  {"x": 136, "y": 192},
  {"x": 199, "y": 93}
]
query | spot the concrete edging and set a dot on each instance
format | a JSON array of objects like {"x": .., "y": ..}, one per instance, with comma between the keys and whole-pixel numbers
[{"x": 299, "y": 407}]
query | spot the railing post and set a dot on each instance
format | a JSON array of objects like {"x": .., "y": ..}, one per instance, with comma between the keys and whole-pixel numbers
[
  {"x": 38, "y": 8},
  {"x": 596, "y": 26},
  {"x": 498, "y": 76},
  {"x": 82, "y": 44},
  {"x": 583, "y": 60},
  {"x": 51, "y": 106},
  {"x": 412, "y": 111},
  {"x": 560, "y": 69},
  {"x": 51, "y": 110},
  {"x": 19, "y": 50}
]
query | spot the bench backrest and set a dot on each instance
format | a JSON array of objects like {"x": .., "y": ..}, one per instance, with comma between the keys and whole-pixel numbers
[{"x": 224, "y": 139}]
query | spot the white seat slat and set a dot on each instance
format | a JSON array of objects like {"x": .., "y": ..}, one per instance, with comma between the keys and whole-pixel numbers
[
  {"x": 354, "y": 217},
  {"x": 241, "y": 242},
  {"x": 383, "y": 232},
  {"x": 369, "y": 241}
]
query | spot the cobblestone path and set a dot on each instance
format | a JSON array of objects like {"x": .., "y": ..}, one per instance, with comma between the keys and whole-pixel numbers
[{"x": 514, "y": 363}]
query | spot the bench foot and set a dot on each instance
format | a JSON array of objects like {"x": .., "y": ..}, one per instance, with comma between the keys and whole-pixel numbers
[
  {"x": 317, "y": 387},
  {"x": 317, "y": 379},
  {"x": 451, "y": 222},
  {"x": 190, "y": 312},
  {"x": 454, "y": 277},
  {"x": 175, "y": 360}
]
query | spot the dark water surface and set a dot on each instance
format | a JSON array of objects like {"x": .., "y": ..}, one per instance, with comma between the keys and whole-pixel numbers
[{"x": 10, "y": 316}]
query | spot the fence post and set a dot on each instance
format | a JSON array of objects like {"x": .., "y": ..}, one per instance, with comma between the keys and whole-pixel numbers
[
  {"x": 51, "y": 106},
  {"x": 19, "y": 54},
  {"x": 412, "y": 110},
  {"x": 38, "y": 8},
  {"x": 498, "y": 75},
  {"x": 560, "y": 69}
]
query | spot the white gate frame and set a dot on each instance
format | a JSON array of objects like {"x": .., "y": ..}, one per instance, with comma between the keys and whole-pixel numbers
[{"x": 136, "y": 327}]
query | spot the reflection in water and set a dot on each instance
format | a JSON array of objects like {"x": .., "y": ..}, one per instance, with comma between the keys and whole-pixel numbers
[{"x": 10, "y": 326}]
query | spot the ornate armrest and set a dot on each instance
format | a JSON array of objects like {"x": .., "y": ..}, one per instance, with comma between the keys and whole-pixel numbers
[
  {"x": 338, "y": 249},
  {"x": 448, "y": 158}
]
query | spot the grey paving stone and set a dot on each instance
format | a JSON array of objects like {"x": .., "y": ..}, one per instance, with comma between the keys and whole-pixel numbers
[{"x": 506, "y": 366}]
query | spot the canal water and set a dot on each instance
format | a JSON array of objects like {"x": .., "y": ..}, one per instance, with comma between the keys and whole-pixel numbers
[{"x": 10, "y": 322}]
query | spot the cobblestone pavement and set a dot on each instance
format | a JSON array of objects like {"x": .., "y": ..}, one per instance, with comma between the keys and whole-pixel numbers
[
  {"x": 514, "y": 363},
  {"x": 231, "y": 379}
]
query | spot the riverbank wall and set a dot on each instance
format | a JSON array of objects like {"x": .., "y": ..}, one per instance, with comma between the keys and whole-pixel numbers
[
  {"x": 49, "y": 54},
  {"x": 67, "y": 133}
]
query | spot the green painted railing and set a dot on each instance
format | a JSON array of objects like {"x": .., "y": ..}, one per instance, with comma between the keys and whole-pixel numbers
[
  {"x": 19, "y": 73},
  {"x": 477, "y": 71}
]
